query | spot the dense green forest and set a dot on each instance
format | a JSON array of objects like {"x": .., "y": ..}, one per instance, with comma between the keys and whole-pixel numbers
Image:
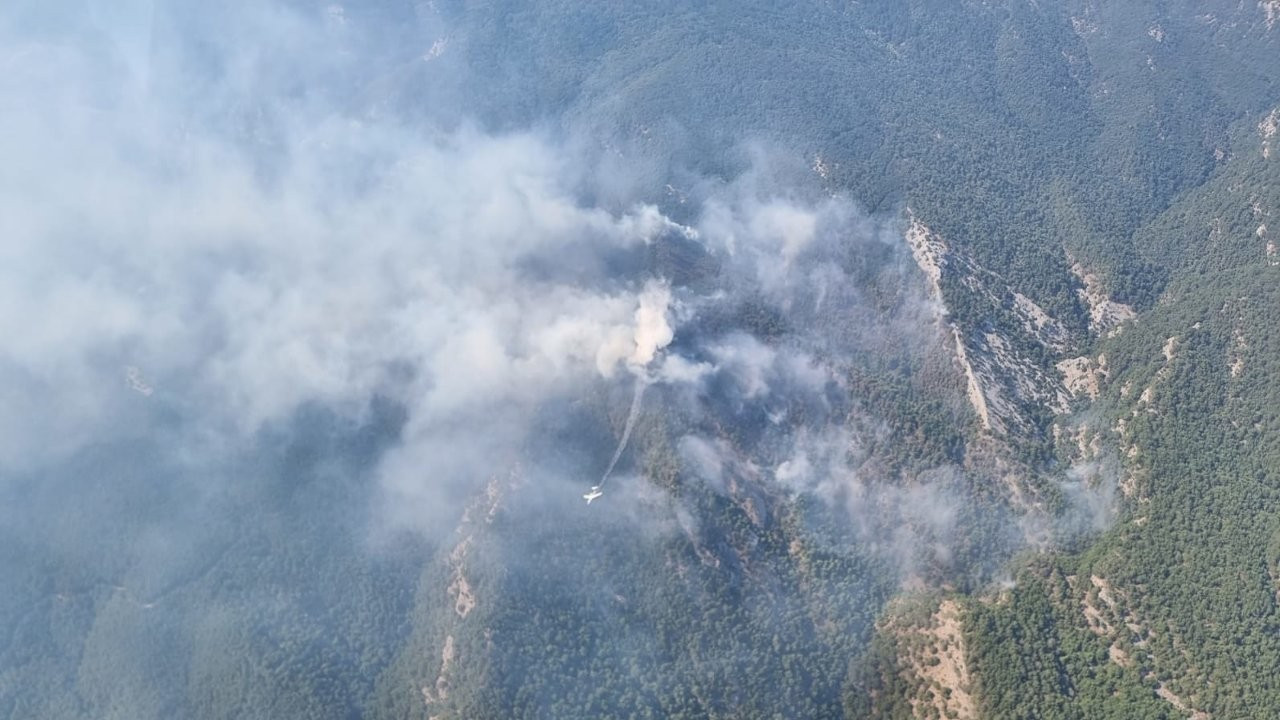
[{"x": 1114, "y": 555}]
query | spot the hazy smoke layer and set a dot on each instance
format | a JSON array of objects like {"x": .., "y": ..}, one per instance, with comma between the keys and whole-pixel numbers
[
  {"x": 251, "y": 247},
  {"x": 225, "y": 238},
  {"x": 158, "y": 256},
  {"x": 216, "y": 217}
]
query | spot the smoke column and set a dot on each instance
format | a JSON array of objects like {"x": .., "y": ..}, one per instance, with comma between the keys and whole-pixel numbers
[{"x": 641, "y": 382}]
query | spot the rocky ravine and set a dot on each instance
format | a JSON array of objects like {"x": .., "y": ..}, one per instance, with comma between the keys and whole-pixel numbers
[{"x": 1007, "y": 385}]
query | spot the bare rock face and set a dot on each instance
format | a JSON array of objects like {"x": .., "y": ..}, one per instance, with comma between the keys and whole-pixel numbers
[
  {"x": 1084, "y": 376},
  {"x": 1271, "y": 123},
  {"x": 1106, "y": 316}
]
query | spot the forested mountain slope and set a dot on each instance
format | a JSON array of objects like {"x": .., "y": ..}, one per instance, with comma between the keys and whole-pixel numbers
[
  {"x": 1182, "y": 591},
  {"x": 925, "y": 352}
]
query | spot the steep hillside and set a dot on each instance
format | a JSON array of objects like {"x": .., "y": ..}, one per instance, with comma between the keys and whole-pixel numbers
[
  {"x": 1183, "y": 587},
  {"x": 924, "y": 352}
]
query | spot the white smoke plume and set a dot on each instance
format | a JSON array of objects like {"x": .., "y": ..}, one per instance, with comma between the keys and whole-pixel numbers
[
  {"x": 218, "y": 223},
  {"x": 248, "y": 251},
  {"x": 653, "y": 331},
  {"x": 326, "y": 258}
]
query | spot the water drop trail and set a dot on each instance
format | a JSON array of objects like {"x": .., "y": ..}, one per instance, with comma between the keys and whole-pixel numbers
[{"x": 626, "y": 430}]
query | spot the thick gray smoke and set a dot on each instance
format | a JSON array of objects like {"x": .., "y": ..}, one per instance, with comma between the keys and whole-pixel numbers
[
  {"x": 254, "y": 317},
  {"x": 225, "y": 259},
  {"x": 154, "y": 261},
  {"x": 231, "y": 238},
  {"x": 274, "y": 309}
]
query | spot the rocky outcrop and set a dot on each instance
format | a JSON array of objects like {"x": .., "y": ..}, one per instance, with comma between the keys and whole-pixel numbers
[
  {"x": 439, "y": 691},
  {"x": 1110, "y": 613},
  {"x": 929, "y": 252},
  {"x": 932, "y": 660},
  {"x": 1271, "y": 123},
  {"x": 1106, "y": 316},
  {"x": 1006, "y": 384},
  {"x": 1271, "y": 12},
  {"x": 461, "y": 593},
  {"x": 1083, "y": 376}
]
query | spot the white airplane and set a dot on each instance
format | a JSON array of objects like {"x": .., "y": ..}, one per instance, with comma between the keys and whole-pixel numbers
[{"x": 593, "y": 494}]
